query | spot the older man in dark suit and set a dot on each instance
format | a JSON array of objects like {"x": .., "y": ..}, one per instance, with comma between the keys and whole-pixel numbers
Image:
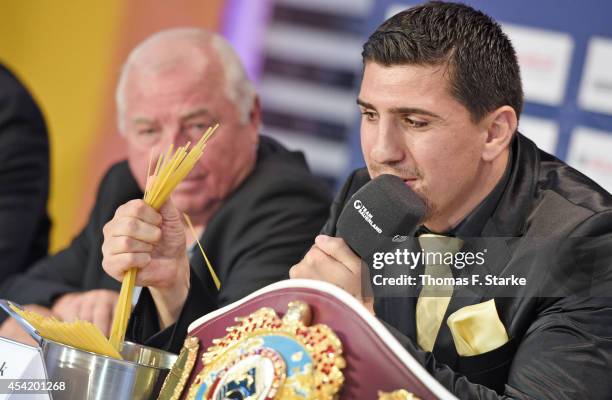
[{"x": 255, "y": 206}]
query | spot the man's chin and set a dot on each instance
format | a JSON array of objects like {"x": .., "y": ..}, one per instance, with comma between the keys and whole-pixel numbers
[
  {"x": 194, "y": 205},
  {"x": 417, "y": 187},
  {"x": 187, "y": 203}
]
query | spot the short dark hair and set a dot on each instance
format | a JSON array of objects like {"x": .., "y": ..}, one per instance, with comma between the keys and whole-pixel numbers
[{"x": 483, "y": 69}]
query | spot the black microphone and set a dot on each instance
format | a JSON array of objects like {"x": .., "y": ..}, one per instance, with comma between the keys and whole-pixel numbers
[{"x": 383, "y": 211}]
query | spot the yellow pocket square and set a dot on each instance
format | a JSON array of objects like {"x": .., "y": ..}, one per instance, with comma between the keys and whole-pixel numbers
[{"x": 477, "y": 329}]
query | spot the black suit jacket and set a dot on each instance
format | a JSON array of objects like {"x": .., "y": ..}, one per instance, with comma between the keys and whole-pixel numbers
[
  {"x": 262, "y": 229},
  {"x": 24, "y": 178},
  {"x": 552, "y": 226}
]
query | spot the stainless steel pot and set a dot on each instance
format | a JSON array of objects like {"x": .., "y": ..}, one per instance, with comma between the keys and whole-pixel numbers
[
  {"x": 87, "y": 375},
  {"x": 139, "y": 375}
]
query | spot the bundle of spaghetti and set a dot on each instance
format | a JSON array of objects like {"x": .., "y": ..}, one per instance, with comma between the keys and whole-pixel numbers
[
  {"x": 79, "y": 334},
  {"x": 170, "y": 170}
]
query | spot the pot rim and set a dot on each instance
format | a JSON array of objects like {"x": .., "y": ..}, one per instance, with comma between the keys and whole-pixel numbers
[{"x": 121, "y": 362}]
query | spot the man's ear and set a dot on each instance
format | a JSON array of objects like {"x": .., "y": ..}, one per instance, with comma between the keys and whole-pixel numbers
[
  {"x": 255, "y": 114},
  {"x": 252, "y": 125},
  {"x": 500, "y": 126}
]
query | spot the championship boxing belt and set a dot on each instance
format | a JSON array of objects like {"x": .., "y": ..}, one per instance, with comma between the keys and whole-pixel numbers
[{"x": 296, "y": 339}]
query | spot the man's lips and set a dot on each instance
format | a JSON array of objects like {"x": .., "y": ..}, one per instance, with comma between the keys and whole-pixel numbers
[
  {"x": 194, "y": 178},
  {"x": 410, "y": 181},
  {"x": 191, "y": 182},
  {"x": 195, "y": 175}
]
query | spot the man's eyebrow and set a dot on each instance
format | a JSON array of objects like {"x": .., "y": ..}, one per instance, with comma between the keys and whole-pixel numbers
[
  {"x": 142, "y": 120},
  {"x": 191, "y": 114},
  {"x": 364, "y": 104},
  {"x": 195, "y": 113},
  {"x": 412, "y": 110},
  {"x": 401, "y": 110}
]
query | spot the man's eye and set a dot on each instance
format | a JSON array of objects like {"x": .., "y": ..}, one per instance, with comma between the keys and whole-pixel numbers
[
  {"x": 200, "y": 126},
  {"x": 147, "y": 131},
  {"x": 196, "y": 129},
  {"x": 414, "y": 124},
  {"x": 369, "y": 115}
]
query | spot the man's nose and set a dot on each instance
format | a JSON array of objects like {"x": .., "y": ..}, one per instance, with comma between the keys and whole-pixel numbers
[
  {"x": 389, "y": 147},
  {"x": 177, "y": 137}
]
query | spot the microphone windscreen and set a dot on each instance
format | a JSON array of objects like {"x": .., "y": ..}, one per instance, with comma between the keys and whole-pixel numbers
[{"x": 380, "y": 210}]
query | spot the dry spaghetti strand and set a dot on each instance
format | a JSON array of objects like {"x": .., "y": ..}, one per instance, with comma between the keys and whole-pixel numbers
[{"x": 210, "y": 267}]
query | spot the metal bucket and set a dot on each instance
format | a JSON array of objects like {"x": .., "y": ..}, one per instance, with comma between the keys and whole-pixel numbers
[
  {"x": 87, "y": 375},
  {"x": 139, "y": 375}
]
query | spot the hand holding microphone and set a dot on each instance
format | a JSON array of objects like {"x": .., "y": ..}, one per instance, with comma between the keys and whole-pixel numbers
[{"x": 382, "y": 209}]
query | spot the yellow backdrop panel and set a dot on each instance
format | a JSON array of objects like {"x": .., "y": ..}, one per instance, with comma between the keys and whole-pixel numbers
[{"x": 69, "y": 54}]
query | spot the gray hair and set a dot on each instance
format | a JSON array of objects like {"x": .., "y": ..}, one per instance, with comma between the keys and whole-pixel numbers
[{"x": 238, "y": 88}]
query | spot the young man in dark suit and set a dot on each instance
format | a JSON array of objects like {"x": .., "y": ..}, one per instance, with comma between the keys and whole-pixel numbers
[
  {"x": 440, "y": 100},
  {"x": 254, "y": 205}
]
